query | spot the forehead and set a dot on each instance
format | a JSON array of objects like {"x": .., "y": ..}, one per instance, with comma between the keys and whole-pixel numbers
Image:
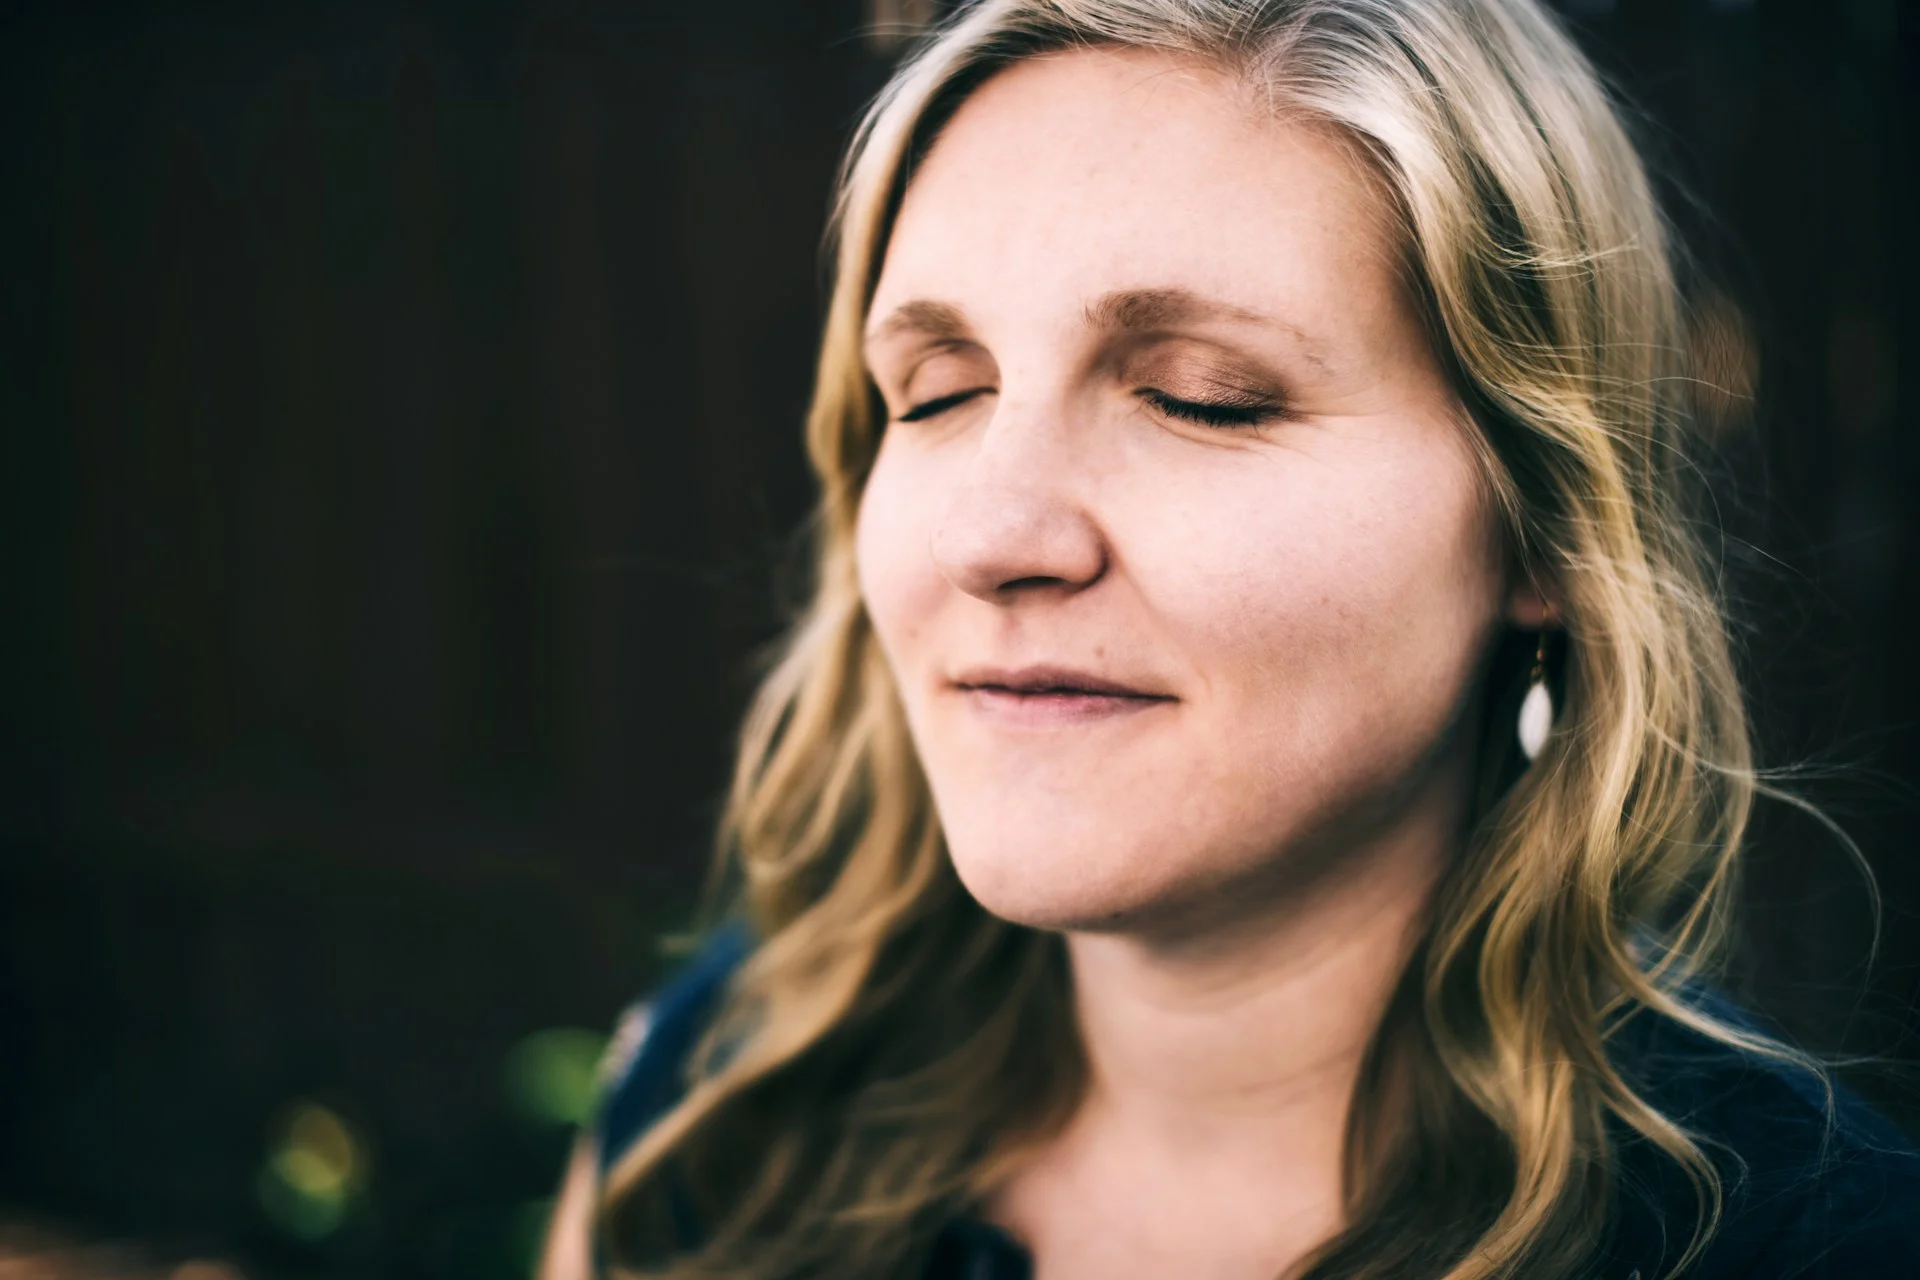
[{"x": 1078, "y": 174}]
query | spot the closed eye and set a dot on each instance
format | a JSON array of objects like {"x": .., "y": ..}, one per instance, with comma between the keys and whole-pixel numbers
[
  {"x": 1213, "y": 413},
  {"x": 940, "y": 404}
]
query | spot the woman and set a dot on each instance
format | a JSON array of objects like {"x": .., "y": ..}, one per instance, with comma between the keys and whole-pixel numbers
[{"x": 1262, "y": 769}]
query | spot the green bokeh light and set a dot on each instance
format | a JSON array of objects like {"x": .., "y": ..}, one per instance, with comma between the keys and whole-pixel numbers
[
  {"x": 550, "y": 1076},
  {"x": 296, "y": 1212},
  {"x": 315, "y": 1166}
]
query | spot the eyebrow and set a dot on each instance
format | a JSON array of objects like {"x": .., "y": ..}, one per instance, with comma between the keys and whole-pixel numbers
[
  {"x": 923, "y": 316},
  {"x": 1123, "y": 311},
  {"x": 1154, "y": 310},
  {"x": 1145, "y": 310}
]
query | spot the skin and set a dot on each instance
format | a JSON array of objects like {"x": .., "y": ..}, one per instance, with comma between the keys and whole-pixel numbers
[
  {"x": 567, "y": 1253},
  {"x": 1296, "y": 609}
]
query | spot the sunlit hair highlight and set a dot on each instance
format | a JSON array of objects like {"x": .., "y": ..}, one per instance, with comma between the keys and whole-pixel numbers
[{"x": 889, "y": 1049}]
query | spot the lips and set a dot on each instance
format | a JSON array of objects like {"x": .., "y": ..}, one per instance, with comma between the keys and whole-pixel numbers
[
  {"x": 1042, "y": 696},
  {"x": 1042, "y": 681}
]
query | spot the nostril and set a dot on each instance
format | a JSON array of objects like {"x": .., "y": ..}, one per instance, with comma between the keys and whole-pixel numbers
[{"x": 1020, "y": 583}]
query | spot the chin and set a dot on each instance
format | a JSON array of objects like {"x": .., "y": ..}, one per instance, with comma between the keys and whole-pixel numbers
[{"x": 1036, "y": 884}]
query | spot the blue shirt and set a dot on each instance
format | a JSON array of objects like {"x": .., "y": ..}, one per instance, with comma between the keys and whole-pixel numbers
[{"x": 1804, "y": 1197}]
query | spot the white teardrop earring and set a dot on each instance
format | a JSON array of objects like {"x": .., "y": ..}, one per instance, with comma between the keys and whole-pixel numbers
[{"x": 1536, "y": 709}]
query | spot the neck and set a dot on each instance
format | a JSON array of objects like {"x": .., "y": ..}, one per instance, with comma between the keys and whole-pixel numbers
[
  {"x": 1221, "y": 1067},
  {"x": 1254, "y": 1026},
  {"x": 1224, "y": 1039}
]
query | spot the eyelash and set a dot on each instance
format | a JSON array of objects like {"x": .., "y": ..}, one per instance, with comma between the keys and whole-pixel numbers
[
  {"x": 1225, "y": 415},
  {"x": 1207, "y": 414},
  {"x": 939, "y": 405}
]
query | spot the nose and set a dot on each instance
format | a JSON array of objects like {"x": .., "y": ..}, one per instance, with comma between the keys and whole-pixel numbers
[{"x": 1014, "y": 525}]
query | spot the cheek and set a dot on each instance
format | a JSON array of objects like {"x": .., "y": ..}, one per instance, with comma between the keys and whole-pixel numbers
[
  {"x": 898, "y": 581},
  {"x": 1333, "y": 588}
]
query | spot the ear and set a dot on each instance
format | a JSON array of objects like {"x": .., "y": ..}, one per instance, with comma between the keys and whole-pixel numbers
[{"x": 1533, "y": 600}]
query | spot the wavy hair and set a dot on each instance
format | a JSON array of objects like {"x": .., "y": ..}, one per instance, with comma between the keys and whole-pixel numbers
[{"x": 890, "y": 1049}]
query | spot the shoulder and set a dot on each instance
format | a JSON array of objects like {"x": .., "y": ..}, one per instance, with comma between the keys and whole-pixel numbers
[
  {"x": 1815, "y": 1182},
  {"x": 644, "y": 1072}
]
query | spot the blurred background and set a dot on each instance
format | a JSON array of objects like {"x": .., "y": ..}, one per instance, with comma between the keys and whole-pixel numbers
[{"x": 401, "y": 407}]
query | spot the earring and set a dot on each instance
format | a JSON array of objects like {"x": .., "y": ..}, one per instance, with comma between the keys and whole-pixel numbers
[{"x": 1536, "y": 710}]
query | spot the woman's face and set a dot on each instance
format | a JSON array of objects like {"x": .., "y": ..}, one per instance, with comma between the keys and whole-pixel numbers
[{"x": 1175, "y": 543}]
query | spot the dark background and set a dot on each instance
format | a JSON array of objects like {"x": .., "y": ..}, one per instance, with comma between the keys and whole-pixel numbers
[{"x": 401, "y": 411}]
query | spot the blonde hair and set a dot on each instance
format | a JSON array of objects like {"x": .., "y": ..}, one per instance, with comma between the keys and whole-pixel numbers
[{"x": 889, "y": 1050}]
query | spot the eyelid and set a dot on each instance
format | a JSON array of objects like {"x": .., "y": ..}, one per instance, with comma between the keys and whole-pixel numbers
[
  {"x": 925, "y": 353},
  {"x": 937, "y": 361},
  {"x": 1179, "y": 376},
  {"x": 940, "y": 404}
]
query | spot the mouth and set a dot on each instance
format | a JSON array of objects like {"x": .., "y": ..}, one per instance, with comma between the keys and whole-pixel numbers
[{"x": 1040, "y": 696}]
